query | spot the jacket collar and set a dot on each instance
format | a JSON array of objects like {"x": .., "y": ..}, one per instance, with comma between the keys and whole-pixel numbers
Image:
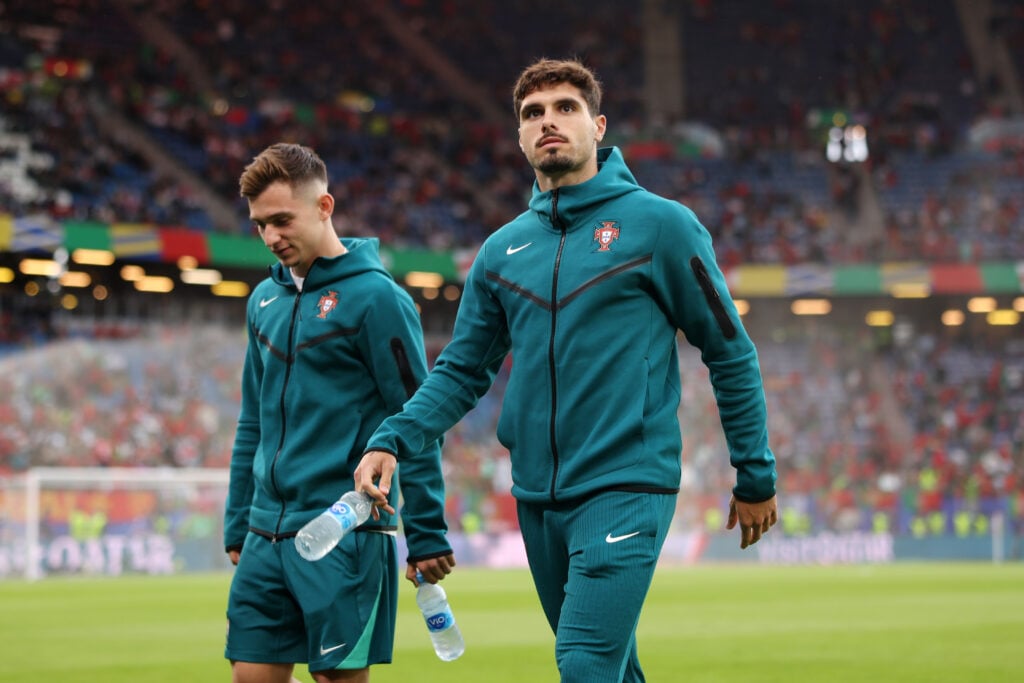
[
  {"x": 576, "y": 203},
  {"x": 362, "y": 256}
]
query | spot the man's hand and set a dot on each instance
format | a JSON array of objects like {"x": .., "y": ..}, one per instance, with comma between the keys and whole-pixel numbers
[
  {"x": 234, "y": 556},
  {"x": 373, "y": 476},
  {"x": 433, "y": 570},
  {"x": 754, "y": 518}
]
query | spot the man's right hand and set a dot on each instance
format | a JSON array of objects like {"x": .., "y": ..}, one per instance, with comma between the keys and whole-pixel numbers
[
  {"x": 432, "y": 570},
  {"x": 373, "y": 476}
]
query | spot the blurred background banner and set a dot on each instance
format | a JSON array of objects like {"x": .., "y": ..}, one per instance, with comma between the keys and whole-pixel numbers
[{"x": 860, "y": 169}]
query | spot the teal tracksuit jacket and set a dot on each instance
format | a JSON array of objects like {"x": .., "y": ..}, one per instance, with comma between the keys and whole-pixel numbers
[
  {"x": 323, "y": 368},
  {"x": 587, "y": 290}
]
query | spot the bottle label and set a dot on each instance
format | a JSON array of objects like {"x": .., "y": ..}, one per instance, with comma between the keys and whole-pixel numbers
[
  {"x": 344, "y": 514},
  {"x": 440, "y": 621}
]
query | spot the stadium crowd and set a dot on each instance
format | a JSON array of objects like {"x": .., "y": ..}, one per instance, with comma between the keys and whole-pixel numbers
[
  {"x": 419, "y": 138},
  {"x": 869, "y": 436},
  {"x": 929, "y": 425}
]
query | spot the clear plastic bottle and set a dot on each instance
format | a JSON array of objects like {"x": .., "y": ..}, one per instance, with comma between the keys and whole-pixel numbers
[
  {"x": 323, "y": 532},
  {"x": 444, "y": 632}
]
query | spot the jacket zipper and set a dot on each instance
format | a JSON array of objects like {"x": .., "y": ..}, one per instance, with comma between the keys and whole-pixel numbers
[
  {"x": 284, "y": 415},
  {"x": 556, "y": 221}
]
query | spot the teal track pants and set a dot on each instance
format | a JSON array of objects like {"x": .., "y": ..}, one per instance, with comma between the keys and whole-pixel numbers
[{"x": 592, "y": 563}]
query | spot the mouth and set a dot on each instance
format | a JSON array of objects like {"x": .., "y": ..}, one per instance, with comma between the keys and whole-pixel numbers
[{"x": 549, "y": 140}]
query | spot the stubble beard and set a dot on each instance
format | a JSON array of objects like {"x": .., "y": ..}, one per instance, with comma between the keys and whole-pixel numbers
[{"x": 555, "y": 164}]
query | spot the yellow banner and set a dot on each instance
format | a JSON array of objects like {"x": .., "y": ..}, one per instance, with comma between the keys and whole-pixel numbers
[
  {"x": 135, "y": 239},
  {"x": 6, "y": 231}
]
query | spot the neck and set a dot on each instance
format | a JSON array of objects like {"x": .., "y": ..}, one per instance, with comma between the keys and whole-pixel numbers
[
  {"x": 548, "y": 182},
  {"x": 331, "y": 246}
]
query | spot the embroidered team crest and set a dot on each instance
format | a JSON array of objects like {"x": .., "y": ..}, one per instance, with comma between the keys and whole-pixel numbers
[
  {"x": 328, "y": 302},
  {"x": 606, "y": 233}
]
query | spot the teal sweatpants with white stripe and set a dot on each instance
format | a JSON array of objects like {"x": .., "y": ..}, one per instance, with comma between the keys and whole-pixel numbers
[{"x": 592, "y": 563}]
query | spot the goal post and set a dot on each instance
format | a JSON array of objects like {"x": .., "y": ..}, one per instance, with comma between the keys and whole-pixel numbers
[{"x": 111, "y": 521}]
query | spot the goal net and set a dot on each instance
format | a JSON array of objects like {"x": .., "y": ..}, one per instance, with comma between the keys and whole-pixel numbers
[{"x": 111, "y": 521}]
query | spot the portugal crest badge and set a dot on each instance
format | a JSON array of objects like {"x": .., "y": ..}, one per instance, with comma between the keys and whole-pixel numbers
[
  {"x": 328, "y": 302},
  {"x": 605, "y": 233}
]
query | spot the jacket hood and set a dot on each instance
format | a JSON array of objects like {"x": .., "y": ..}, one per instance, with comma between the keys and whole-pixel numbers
[
  {"x": 575, "y": 202},
  {"x": 363, "y": 255}
]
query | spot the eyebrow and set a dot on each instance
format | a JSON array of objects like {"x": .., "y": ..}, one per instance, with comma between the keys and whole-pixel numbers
[
  {"x": 559, "y": 102},
  {"x": 272, "y": 218}
]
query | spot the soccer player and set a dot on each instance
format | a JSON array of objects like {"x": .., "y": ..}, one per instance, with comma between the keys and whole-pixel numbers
[
  {"x": 334, "y": 346},
  {"x": 586, "y": 290}
]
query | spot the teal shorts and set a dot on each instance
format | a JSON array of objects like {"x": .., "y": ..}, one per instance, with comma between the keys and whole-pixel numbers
[{"x": 335, "y": 613}]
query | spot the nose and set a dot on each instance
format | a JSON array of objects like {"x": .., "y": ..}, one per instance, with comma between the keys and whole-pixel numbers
[{"x": 269, "y": 235}]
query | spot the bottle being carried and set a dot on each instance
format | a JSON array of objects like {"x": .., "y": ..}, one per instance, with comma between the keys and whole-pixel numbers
[
  {"x": 320, "y": 535},
  {"x": 444, "y": 632}
]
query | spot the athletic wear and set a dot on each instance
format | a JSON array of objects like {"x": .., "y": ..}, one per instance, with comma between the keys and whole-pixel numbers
[
  {"x": 335, "y": 613},
  {"x": 592, "y": 564},
  {"x": 324, "y": 366},
  {"x": 588, "y": 288}
]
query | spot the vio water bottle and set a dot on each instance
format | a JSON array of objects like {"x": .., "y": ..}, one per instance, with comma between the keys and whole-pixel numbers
[
  {"x": 444, "y": 632},
  {"x": 320, "y": 535}
]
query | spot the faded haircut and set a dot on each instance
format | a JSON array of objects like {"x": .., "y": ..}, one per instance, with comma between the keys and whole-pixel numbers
[
  {"x": 282, "y": 162},
  {"x": 545, "y": 73}
]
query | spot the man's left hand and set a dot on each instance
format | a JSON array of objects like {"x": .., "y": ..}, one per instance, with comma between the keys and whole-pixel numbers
[{"x": 754, "y": 519}]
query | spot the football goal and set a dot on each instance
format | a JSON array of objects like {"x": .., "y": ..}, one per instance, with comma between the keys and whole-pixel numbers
[{"x": 111, "y": 521}]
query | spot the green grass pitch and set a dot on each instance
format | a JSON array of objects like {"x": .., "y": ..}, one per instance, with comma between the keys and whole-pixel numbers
[{"x": 705, "y": 624}]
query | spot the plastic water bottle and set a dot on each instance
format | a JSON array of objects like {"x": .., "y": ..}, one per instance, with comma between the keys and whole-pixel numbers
[
  {"x": 320, "y": 535},
  {"x": 444, "y": 632}
]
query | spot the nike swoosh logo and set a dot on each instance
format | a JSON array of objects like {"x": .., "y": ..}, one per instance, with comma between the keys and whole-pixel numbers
[
  {"x": 615, "y": 539},
  {"x": 325, "y": 650},
  {"x": 266, "y": 302},
  {"x": 511, "y": 250}
]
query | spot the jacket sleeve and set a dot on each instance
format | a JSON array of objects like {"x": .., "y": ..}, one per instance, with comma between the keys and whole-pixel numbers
[
  {"x": 393, "y": 342},
  {"x": 462, "y": 374},
  {"x": 247, "y": 439},
  {"x": 694, "y": 291}
]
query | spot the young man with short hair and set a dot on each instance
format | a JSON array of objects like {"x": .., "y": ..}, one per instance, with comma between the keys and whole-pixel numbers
[
  {"x": 335, "y": 346},
  {"x": 587, "y": 290}
]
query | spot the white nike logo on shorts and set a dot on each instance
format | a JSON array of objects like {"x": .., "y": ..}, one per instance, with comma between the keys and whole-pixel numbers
[
  {"x": 615, "y": 539},
  {"x": 325, "y": 650}
]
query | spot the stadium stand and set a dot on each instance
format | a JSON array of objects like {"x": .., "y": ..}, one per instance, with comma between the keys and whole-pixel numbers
[
  {"x": 145, "y": 112},
  {"x": 423, "y": 158}
]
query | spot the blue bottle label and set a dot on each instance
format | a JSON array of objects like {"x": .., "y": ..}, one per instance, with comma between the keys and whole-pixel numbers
[
  {"x": 440, "y": 621},
  {"x": 344, "y": 514}
]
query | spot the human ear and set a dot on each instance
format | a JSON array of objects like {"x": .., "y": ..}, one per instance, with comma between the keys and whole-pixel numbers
[{"x": 326, "y": 205}]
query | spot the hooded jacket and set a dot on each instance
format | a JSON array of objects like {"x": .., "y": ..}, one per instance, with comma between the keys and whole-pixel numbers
[
  {"x": 587, "y": 289},
  {"x": 323, "y": 367}
]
